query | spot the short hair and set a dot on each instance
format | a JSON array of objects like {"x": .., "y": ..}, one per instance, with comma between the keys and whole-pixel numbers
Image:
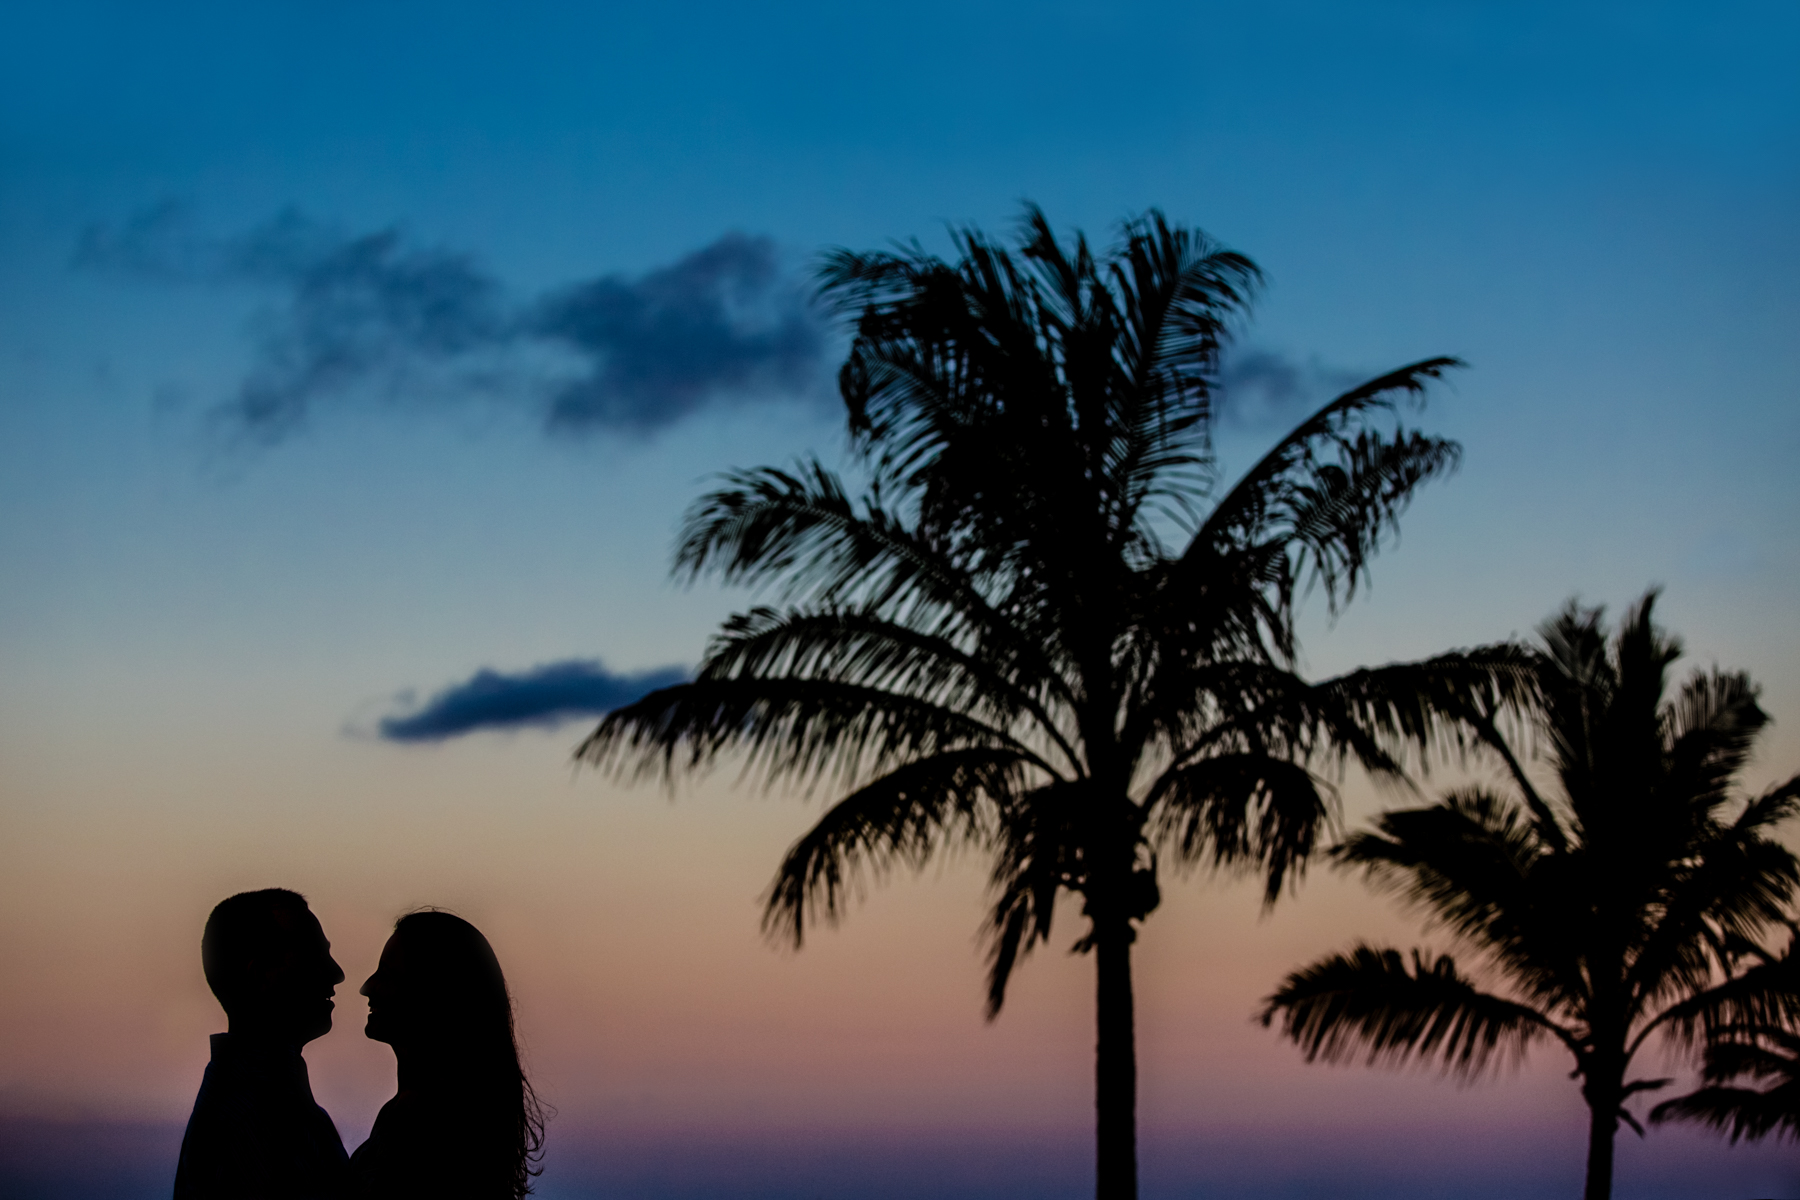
[{"x": 239, "y": 926}]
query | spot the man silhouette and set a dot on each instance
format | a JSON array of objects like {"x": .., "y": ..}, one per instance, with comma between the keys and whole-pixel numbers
[{"x": 256, "y": 1132}]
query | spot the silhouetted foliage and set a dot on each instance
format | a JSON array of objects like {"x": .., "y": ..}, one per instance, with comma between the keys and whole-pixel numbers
[
  {"x": 1627, "y": 906},
  {"x": 1040, "y": 631},
  {"x": 1760, "y": 1053}
]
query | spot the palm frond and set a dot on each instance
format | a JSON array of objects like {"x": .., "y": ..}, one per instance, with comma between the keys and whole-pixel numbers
[
  {"x": 1379, "y": 713},
  {"x": 1774, "y": 806},
  {"x": 1338, "y": 513},
  {"x": 1195, "y": 692},
  {"x": 1740, "y": 1112},
  {"x": 860, "y": 647},
  {"x": 1730, "y": 886},
  {"x": 803, "y": 529},
  {"x": 1754, "y": 1053},
  {"x": 1373, "y": 1003},
  {"x": 1039, "y": 846},
  {"x": 1176, "y": 292},
  {"x": 1763, "y": 997},
  {"x": 901, "y": 819},
  {"x": 1449, "y": 704},
  {"x": 1476, "y": 864},
  {"x": 787, "y": 729},
  {"x": 1334, "y": 510},
  {"x": 1709, "y": 729},
  {"x": 936, "y": 347},
  {"x": 1242, "y": 809}
]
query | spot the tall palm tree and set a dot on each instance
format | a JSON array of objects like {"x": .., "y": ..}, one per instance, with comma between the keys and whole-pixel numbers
[
  {"x": 1619, "y": 910},
  {"x": 998, "y": 645}
]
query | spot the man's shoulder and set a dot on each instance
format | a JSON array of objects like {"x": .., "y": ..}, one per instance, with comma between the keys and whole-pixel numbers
[{"x": 251, "y": 1134}]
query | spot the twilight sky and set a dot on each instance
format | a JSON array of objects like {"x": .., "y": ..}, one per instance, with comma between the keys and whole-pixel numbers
[{"x": 358, "y": 360}]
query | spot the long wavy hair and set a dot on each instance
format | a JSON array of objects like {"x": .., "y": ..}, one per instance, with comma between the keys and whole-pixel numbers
[{"x": 450, "y": 961}]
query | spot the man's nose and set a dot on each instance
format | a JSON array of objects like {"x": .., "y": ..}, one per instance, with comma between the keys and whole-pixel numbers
[{"x": 337, "y": 972}]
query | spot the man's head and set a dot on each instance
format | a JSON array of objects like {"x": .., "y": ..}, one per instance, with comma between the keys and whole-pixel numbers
[{"x": 268, "y": 962}]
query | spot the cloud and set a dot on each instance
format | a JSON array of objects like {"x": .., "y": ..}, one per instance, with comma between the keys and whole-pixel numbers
[
  {"x": 367, "y": 309},
  {"x": 720, "y": 321},
  {"x": 361, "y": 315},
  {"x": 1262, "y": 387},
  {"x": 543, "y": 697}
]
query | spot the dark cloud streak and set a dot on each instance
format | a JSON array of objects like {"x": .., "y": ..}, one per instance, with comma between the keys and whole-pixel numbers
[
  {"x": 359, "y": 309},
  {"x": 543, "y": 697},
  {"x": 721, "y": 320},
  {"x": 362, "y": 315}
]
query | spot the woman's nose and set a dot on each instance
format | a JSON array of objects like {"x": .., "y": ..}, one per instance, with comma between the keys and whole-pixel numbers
[{"x": 368, "y": 983}]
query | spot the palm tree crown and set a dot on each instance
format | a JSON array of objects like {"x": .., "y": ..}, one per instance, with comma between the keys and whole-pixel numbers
[
  {"x": 1032, "y": 633},
  {"x": 1626, "y": 906}
]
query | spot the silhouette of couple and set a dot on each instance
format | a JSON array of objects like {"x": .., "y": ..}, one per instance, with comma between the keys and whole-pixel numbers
[{"x": 464, "y": 1124}]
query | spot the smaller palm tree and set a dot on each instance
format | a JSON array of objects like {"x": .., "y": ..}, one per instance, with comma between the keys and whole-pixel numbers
[
  {"x": 1736, "y": 1054},
  {"x": 1622, "y": 910}
]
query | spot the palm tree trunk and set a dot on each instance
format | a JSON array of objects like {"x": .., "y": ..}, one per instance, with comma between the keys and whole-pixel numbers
[
  {"x": 1115, "y": 1067},
  {"x": 1603, "y": 1126}
]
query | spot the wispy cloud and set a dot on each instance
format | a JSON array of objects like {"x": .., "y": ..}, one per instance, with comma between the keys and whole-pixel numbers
[
  {"x": 1262, "y": 387},
  {"x": 358, "y": 310},
  {"x": 543, "y": 697},
  {"x": 375, "y": 314}
]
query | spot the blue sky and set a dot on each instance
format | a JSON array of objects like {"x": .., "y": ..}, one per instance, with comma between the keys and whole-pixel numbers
[{"x": 510, "y": 282}]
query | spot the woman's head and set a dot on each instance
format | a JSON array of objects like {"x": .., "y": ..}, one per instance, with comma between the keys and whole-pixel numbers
[
  {"x": 439, "y": 987},
  {"x": 439, "y": 998}
]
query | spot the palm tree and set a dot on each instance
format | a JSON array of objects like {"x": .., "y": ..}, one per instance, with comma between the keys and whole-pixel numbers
[
  {"x": 997, "y": 646},
  {"x": 1618, "y": 910}
]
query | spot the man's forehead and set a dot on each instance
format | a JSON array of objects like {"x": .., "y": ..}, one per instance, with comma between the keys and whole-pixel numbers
[{"x": 298, "y": 920}]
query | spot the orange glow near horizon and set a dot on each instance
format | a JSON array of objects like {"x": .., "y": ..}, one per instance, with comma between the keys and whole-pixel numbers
[{"x": 647, "y": 998}]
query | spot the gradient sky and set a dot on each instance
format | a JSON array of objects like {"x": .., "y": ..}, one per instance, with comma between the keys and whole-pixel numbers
[{"x": 350, "y": 350}]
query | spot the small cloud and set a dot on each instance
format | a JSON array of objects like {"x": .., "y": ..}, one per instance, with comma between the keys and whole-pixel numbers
[
  {"x": 721, "y": 321},
  {"x": 375, "y": 315},
  {"x": 1262, "y": 387},
  {"x": 358, "y": 310},
  {"x": 543, "y": 697}
]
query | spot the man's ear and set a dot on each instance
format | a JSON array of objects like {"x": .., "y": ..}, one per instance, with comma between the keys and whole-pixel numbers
[{"x": 263, "y": 968}]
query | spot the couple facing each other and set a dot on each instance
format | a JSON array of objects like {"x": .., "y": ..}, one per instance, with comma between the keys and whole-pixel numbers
[{"x": 464, "y": 1123}]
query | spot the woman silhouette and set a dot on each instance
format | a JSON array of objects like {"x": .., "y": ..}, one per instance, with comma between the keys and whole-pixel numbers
[{"x": 465, "y": 1124}]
